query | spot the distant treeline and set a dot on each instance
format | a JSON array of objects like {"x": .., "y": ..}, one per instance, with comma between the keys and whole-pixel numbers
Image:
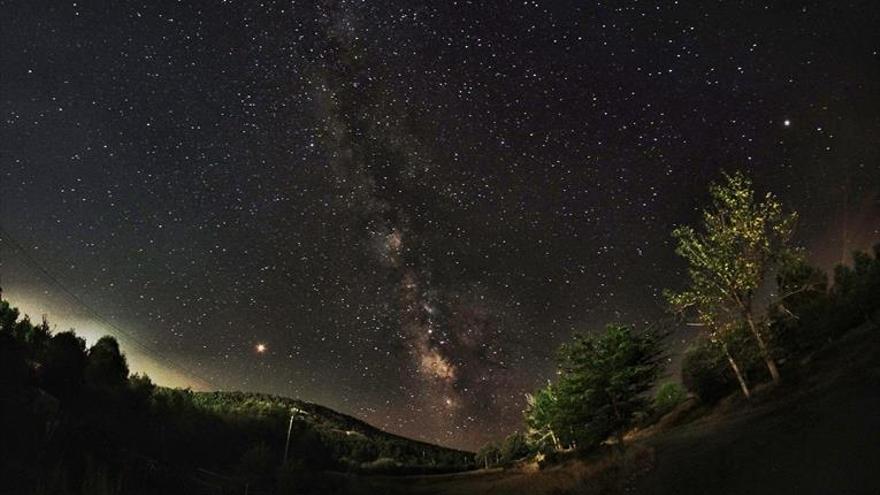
[{"x": 73, "y": 420}]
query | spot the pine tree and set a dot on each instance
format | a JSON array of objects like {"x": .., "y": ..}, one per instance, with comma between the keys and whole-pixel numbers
[{"x": 603, "y": 381}]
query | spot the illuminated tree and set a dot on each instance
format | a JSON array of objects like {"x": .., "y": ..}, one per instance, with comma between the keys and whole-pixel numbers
[
  {"x": 540, "y": 418},
  {"x": 603, "y": 381},
  {"x": 513, "y": 448},
  {"x": 741, "y": 241}
]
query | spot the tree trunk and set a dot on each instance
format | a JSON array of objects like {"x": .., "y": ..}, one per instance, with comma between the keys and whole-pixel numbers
[
  {"x": 556, "y": 443},
  {"x": 739, "y": 376},
  {"x": 617, "y": 415},
  {"x": 765, "y": 352}
]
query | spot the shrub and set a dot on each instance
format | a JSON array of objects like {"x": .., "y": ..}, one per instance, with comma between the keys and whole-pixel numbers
[
  {"x": 669, "y": 395},
  {"x": 514, "y": 448},
  {"x": 381, "y": 465},
  {"x": 488, "y": 455},
  {"x": 704, "y": 372}
]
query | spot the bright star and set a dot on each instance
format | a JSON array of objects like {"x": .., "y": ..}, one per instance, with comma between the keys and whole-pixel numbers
[
  {"x": 261, "y": 348},
  {"x": 786, "y": 123}
]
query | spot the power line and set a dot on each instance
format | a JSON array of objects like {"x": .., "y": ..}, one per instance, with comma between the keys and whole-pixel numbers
[{"x": 94, "y": 314}]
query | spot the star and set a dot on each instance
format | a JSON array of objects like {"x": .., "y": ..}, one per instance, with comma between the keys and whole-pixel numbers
[{"x": 260, "y": 348}]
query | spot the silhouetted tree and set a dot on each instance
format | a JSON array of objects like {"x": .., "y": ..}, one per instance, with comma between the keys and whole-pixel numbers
[
  {"x": 14, "y": 370},
  {"x": 488, "y": 455},
  {"x": 142, "y": 388},
  {"x": 857, "y": 288},
  {"x": 107, "y": 366},
  {"x": 802, "y": 315},
  {"x": 8, "y": 318},
  {"x": 64, "y": 365},
  {"x": 514, "y": 447}
]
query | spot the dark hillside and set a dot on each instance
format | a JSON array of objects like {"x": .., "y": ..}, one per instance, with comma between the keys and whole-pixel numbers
[
  {"x": 345, "y": 429},
  {"x": 72, "y": 420}
]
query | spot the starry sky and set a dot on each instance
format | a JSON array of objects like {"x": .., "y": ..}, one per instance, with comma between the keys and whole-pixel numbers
[{"x": 408, "y": 205}]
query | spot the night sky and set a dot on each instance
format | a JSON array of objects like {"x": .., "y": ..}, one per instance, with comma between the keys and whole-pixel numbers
[{"x": 409, "y": 207}]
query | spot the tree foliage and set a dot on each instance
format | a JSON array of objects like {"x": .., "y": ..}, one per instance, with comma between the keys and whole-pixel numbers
[
  {"x": 741, "y": 241},
  {"x": 603, "y": 379},
  {"x": 668, "y": 396},
  {"x": 541, "y": 419},
  {"x": 513, "y": 448},
  {"x": 488, "y": 455},
  {"x": 814, "y": 312},
  {"x": 706, "y": 370},
  {"x": 808, "y": 313},
  {"x": 106, "y": 366}
]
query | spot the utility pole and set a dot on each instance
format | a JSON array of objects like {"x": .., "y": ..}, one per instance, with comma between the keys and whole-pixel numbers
[{"x": 287, "y": 444}]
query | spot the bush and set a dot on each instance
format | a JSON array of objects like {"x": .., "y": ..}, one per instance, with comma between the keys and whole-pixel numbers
[
  {"x": 704, "y": 372},
  {"x": 488, "y": 455},
  {"x": 815, "y": 313},
  {"x": 669, "y": 395},
  {"x": 381, "y": 465},
  {"x": 514, "y": 448}
]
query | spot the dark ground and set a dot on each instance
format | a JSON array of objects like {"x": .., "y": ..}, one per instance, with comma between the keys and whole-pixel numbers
[{"x": 822, "y": 437}]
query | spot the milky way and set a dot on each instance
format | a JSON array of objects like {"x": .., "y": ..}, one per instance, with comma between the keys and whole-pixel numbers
[{"x": 408, "y": 205}]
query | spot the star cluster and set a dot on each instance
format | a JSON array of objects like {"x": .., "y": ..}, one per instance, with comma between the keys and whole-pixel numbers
[{"x": 401, "y": 209}]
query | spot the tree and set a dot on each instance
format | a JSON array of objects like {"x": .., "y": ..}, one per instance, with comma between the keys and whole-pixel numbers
[
  {"x": 541, "y": 415},
  {"x": 802, "y": 316},
  {"x": 14, "y": 370},
  {"x": 857, "y": 288},
  {"x": 741, "y": 242},
  {"x": 106, "y": 367},
  {"x": 488, "y": 455},
  {"x": 65, "y": 363},
  {"x": 141, "y": 386},
  {"x": 37, "y": 338},
  {"x": 514, "y": 447},
  {"x": 603, "y": 381},
  {"x": 668, "y": 396},
  {"x": 8, "y": 317}
]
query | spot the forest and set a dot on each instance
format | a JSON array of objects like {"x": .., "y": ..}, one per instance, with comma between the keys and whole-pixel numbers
[{"x": 75, "y": 420}]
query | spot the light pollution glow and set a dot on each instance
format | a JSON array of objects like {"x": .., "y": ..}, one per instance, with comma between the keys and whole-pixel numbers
[{"x": 62, "y": 317}]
